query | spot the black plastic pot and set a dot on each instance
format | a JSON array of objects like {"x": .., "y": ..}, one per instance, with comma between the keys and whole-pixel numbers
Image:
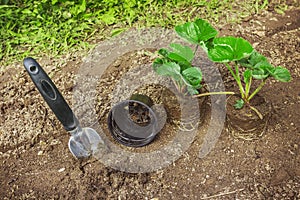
[{"x": 133, "y": 123}]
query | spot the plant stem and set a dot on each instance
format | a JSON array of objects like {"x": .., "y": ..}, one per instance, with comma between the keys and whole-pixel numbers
[
  {"x": 257, "y": 89},
  {"x": 231, "y": 71},
  {"x": 176, "y": 85},
  {"x": 212, "y": 93},
  {"x": 196, "y": 48},
  {"x": 257, "y": 112},
  {"x": 237, "y": 79},
  {"x": 247, "y": 88},
  {"x": 239, "y": 82}
]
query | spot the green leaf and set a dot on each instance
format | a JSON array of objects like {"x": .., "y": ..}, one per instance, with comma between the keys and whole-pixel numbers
[
  {"x": 256, "y": 58},
  {"x": 228, "y": 49},
  {"x": 164, "y": 52},
  {"x": 117, "y": 31},
  {"x": 183, "y": 51},
  {"x": 196, "y": 32},
  {"x": 82, "y": 7},
  {"x": 192, "y": 90},
  {"x": 184, "y": 65},
  {"x": 205, "y": 30},
  {"x": 157, "y": 63},
  {"x": 54, "y": 2},
  {"x": 109, "y": 17},
  {"x": 282, "y": 74},
  {"x": 247, "y": 76},
  {"x": 239, "y": 104},
  {"x": 252, "y": 60},
  {"x": 193, "y": 75},
  {"x": 170, "y": 69},
  {"x": 26, "y": 11},
  {"x": 175, "y": 57},
  {"x": 262, "y": 70},
  {"x": 182, "y": 55},
  {"x": 77, "y": 9},
  {"x": 188, "y": 32},
  {"x": 259, "y": 74}
]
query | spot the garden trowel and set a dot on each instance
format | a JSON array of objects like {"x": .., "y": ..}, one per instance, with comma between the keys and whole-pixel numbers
[{"x": 83, "y": 142}]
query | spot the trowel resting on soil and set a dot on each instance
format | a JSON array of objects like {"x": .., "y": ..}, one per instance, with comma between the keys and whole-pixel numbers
[{"x": 83, "y": 142}]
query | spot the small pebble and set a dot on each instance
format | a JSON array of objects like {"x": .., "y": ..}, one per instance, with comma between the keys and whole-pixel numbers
[
  {"x": 40, "y": 153},
  {"x": 61, "y": 170}
]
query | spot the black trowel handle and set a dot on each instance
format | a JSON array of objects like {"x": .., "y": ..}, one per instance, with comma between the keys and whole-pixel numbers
[{"x": 51, "y": 94}]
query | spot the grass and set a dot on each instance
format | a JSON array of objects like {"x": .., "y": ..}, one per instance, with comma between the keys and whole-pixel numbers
[{"x": 58, "y": 27}]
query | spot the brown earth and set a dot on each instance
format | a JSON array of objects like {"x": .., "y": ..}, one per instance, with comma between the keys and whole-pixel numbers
[{"x": 36, "y": 163}]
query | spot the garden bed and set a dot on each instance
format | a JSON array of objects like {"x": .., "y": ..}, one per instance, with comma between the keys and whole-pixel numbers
[{"x": 36, "y": 163}]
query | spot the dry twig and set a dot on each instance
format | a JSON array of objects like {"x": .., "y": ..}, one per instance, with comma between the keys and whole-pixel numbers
[{"x": 222, "y": 194}]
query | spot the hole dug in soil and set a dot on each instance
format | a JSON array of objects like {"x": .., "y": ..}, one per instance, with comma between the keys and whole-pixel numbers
[{"x": 245, "y": 123}]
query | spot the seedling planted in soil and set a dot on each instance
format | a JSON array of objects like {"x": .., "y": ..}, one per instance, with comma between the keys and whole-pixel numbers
[
  {"x": 236, "y": 53},
  {"x": 177, "y": 62}
]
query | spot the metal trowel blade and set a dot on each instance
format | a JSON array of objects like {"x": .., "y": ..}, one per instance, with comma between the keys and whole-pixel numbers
[{"x": 85, "y": 143}]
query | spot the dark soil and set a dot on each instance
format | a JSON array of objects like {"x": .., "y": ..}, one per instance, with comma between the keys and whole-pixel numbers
[
  {"x": 36, "y": 162},
  {"x": 249, "y": 122}
]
